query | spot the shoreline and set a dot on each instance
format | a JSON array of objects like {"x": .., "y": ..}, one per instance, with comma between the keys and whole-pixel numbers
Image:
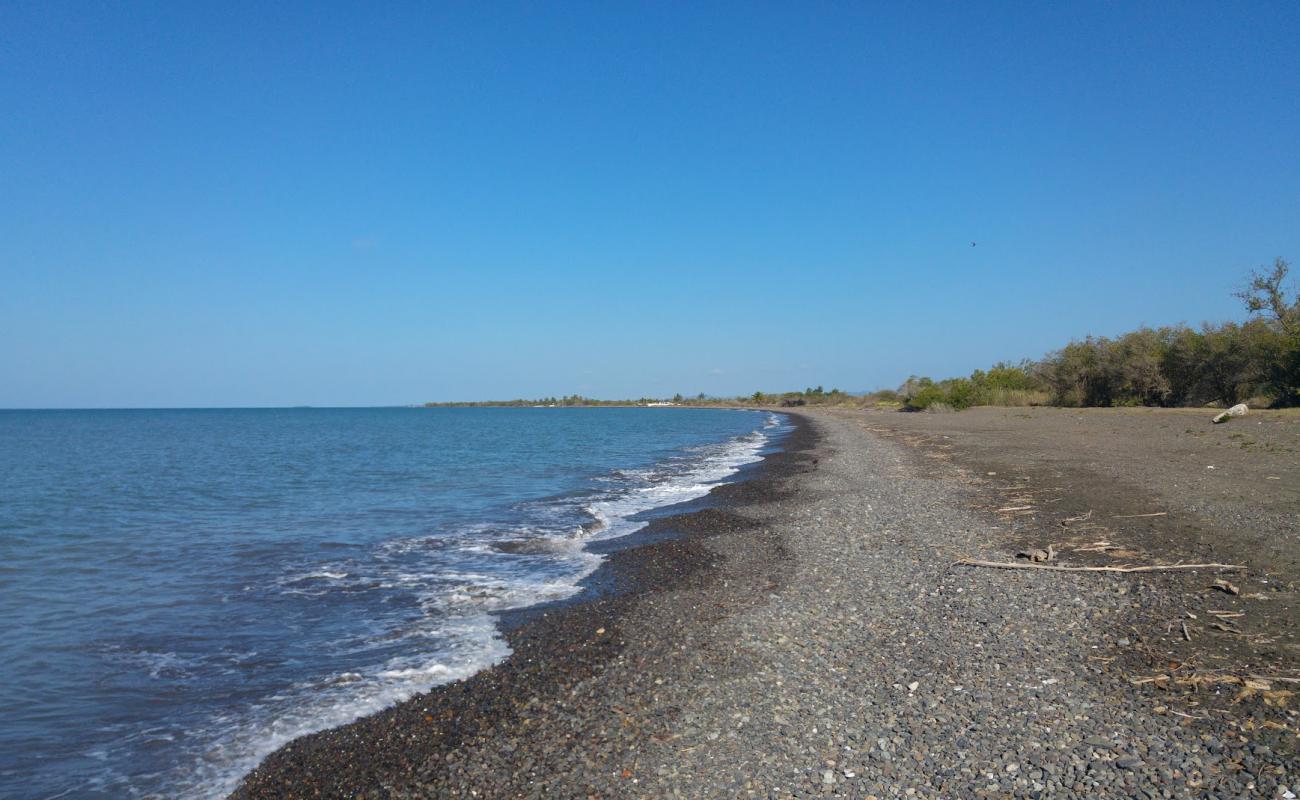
[
  {"x": 810, "y": 636},
  {"x": 552, "y": 645}
]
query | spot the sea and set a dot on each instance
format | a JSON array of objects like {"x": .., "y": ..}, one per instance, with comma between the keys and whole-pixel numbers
[{"x": 184, "y": 591}]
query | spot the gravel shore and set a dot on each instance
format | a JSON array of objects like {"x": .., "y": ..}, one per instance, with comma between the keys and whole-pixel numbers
[{"x": 811, "y": 638}]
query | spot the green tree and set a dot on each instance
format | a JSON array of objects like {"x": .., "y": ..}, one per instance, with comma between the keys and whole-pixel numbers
[{"x": 1266, "y": 296}]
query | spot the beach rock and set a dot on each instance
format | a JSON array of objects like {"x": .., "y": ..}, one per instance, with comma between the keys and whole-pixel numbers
[
  {"x": 1038, "y": 555},
  {"x": 1238, "y": 410}
]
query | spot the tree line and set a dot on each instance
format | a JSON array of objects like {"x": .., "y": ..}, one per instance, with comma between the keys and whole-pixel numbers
[{"x": 1256, "y": 361}]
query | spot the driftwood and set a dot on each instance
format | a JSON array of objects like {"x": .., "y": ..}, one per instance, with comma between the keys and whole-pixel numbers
[
  {"x": 1225, "y": 587},
  {"x": 973, "y": 562},
  {"x": 1135, "y": 516},
  {"x": 1097, "y": 547}
]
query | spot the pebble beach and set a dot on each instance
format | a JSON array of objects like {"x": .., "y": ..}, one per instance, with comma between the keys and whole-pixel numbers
[{"x": 809, "y": 635}]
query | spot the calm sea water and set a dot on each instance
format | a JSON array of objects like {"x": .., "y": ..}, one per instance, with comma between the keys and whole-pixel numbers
[{"x": 181, "y": 592}]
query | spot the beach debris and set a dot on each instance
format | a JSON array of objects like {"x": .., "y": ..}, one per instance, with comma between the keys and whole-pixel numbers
[
  {"x": 1097, "y": 547},
  {"x": 1251, "y": 686},
  {"x": 1038, "y": 555},
  {"x": 1281, "y": 678},
  {"x": 1079, "y": 518},
  {"x": 1186, "y": 633},
  {"x": 1135, "y": 516},
  {"x": 974, "y": 562},
  {"x": 1224, "y": 586},
  {"x": 1225, "y": 628},
  {"x": 1239, "y": 410},
  {"x": 1013, "y": 508}
]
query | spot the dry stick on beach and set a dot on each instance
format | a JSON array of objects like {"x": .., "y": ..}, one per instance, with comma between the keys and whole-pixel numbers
[
  {"x": 1135, "y": 516},
  {"x": 972, "y": 562}
]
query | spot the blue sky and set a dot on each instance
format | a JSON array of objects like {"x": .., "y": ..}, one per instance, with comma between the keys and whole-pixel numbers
[{"x": 232, "y": 204}]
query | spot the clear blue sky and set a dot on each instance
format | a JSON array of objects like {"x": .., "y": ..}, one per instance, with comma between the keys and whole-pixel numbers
[{"x": 277, "y": 204}]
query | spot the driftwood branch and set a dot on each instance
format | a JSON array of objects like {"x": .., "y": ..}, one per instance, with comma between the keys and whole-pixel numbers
[{"x": 972, "y": 562}]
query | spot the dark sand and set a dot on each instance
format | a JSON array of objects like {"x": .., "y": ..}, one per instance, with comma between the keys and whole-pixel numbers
[
  {"x": 809, "y": 635},
  {"x": 1158, "y": 485}
]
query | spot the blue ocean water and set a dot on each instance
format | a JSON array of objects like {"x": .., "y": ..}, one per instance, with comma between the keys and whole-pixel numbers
[{"x": 183, "y": 591}]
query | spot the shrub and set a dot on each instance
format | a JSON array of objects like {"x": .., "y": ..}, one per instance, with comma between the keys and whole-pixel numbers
[{"x": 920, "y": 394}]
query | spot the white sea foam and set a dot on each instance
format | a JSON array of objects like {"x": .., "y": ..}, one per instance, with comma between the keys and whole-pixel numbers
[
  {"x": 237, "y": 745},
  {"x": 666, "y": 486}
]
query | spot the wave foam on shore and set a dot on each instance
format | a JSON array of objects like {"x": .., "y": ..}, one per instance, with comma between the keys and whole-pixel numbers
[{"x": 457, "y": 580}]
